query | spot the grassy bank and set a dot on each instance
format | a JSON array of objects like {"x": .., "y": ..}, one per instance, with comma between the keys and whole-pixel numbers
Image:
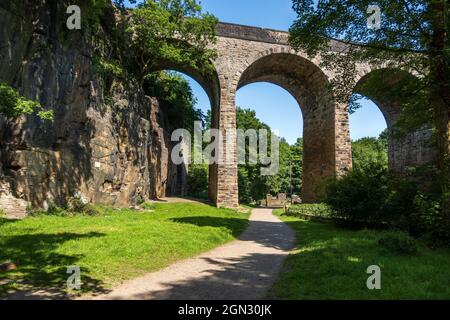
[
  {"x": 114, "y": 246},
  {"x": 331, "y": 263}
]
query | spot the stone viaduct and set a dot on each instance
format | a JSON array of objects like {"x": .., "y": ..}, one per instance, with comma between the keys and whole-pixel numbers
[
  {"x": 247, "y": 55},
  {"x": 116, "y": 152}
]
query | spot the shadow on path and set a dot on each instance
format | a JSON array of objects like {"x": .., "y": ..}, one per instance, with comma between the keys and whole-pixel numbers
[{"x": 244, "y": 269}]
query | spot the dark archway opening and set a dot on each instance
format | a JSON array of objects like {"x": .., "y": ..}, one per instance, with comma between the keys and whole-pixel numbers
[{"x": 178, "y": 109}]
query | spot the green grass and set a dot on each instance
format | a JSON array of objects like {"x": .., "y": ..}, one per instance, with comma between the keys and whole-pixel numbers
[
  {"x": 331, "y": 263},
  {"x": 111, "y": 247}
]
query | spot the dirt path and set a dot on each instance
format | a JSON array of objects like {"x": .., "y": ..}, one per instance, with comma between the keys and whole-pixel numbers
[{"x": 243, "y": 269}]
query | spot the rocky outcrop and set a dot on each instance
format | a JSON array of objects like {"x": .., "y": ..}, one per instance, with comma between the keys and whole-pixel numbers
[{"x": 105, "y": 150}]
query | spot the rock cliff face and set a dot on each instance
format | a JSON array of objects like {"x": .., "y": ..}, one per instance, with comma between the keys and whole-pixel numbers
[{"x": 112, "y": 151}]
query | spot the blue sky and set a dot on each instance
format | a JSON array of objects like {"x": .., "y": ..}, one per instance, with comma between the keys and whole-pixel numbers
[{"x": 274, "y": 105}]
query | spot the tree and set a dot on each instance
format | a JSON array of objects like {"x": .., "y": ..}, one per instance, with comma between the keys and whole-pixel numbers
[
  {"x": 254, "y": 186},
  {"x": 169, "y": 32},
  {"x": 414, "y": 36},
  {"x": 297, "y": 166},
  {"x": 369, "y": 151},
  {"x": 13, "y": 105},
  {"x": 176, "y": 97},
  {"x": 249, "y": 174}
]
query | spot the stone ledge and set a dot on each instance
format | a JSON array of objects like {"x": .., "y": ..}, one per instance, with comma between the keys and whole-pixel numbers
[{"x": 238, "y": 31}]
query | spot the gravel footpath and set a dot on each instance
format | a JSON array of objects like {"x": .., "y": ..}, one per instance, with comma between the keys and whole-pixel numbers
[{"x": 243, "y": 269}]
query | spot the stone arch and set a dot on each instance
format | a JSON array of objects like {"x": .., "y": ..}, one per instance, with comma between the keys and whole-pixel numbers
[
  {"x": 412, "y": 149},
  {"x": 210, "y": 83},
  {"x": 309, "y": 85}
]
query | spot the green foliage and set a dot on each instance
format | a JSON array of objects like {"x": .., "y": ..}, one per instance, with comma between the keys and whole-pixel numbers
[
  {"x": 360, "y": 194},
  {"x": 173, "y": 32},
  {"x": 175, "y": 96},
  {"x": 104, "y": 67},
  {"x": 296, "y": 162},
  {"x": 428, "y": 221},
  {"x": 330, "y": 263},
  {"x": 317, "y": 210},
  {"x": 76, "y": 205},
  {"x": 2, "y": 213},
  {"x": 252, "y": 185},
  {"x": 13, "y": 105},
  {"x": 426, "y": 216},
  {"x": 399, "y": 242},
  {"x": 391, "y": 46},
  {"x": 114, "y": 246},
  {"x": 370, "y": 193},
  {"x": 198, "y": 181},
  {"x": 367, "y": 151},
  {"x": 413, "y": 39},
  {"x": 92, "y": 11}
]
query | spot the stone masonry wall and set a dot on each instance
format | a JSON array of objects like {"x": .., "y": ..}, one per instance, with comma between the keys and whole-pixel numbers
[{"x": 112, "y": 151}]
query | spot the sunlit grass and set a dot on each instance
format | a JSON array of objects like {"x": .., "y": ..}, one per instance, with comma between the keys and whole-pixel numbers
[
  {"x": 111, "y": 247},
  {"x": 331, "y": 263}
]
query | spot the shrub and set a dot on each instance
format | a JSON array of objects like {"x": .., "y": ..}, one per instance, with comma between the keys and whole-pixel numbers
[
  {"x": 373, "y": 195},
  {"x": 148, "y": 206},
  {"x": 359, "y": 196},
  {"x": 244, "y": 186},
  {"x": 76, "y": 205},
  {"x": 318, "y": 210},
  {"x": 198, "y": 181},
  {"x": 428, "y": 221},
  {"x": 12, "y": 104},
  {"x": 399, "y": 243},
  {"x": 426, "y": 215},
  {"x": 107, "y": 67}
]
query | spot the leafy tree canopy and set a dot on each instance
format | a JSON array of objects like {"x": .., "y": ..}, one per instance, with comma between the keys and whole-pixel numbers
[
  {"x": 369, "y": 151},
  {"x": 171, "y": 33},
  {"x": 176, "y": 97},
  {"x": 12, "y": 104},
  {"x": 414, "y": 36}
]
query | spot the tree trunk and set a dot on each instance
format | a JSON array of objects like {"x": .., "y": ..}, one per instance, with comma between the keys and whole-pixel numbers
[{"x": 440, "y": 99}]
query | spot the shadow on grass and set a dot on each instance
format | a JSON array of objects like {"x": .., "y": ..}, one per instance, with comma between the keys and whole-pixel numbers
[
  {"x": 4, "y": 221},
  {"x": 40, "y": 267},
  {"x": 331, "y": 263},
  {"x": 241, "y": 272},
  {"x": 235, "y": 225}
]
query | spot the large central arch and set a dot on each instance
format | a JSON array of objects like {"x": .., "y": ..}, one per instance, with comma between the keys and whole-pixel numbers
[
  {"x": 309, "y": 86},
  {"x": 247, "y": 55}
]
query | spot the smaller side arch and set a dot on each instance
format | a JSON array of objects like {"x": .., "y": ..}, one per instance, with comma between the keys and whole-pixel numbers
[
  {"x": 210, "y": 82},
  {"x": 387, "y": 87}
]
